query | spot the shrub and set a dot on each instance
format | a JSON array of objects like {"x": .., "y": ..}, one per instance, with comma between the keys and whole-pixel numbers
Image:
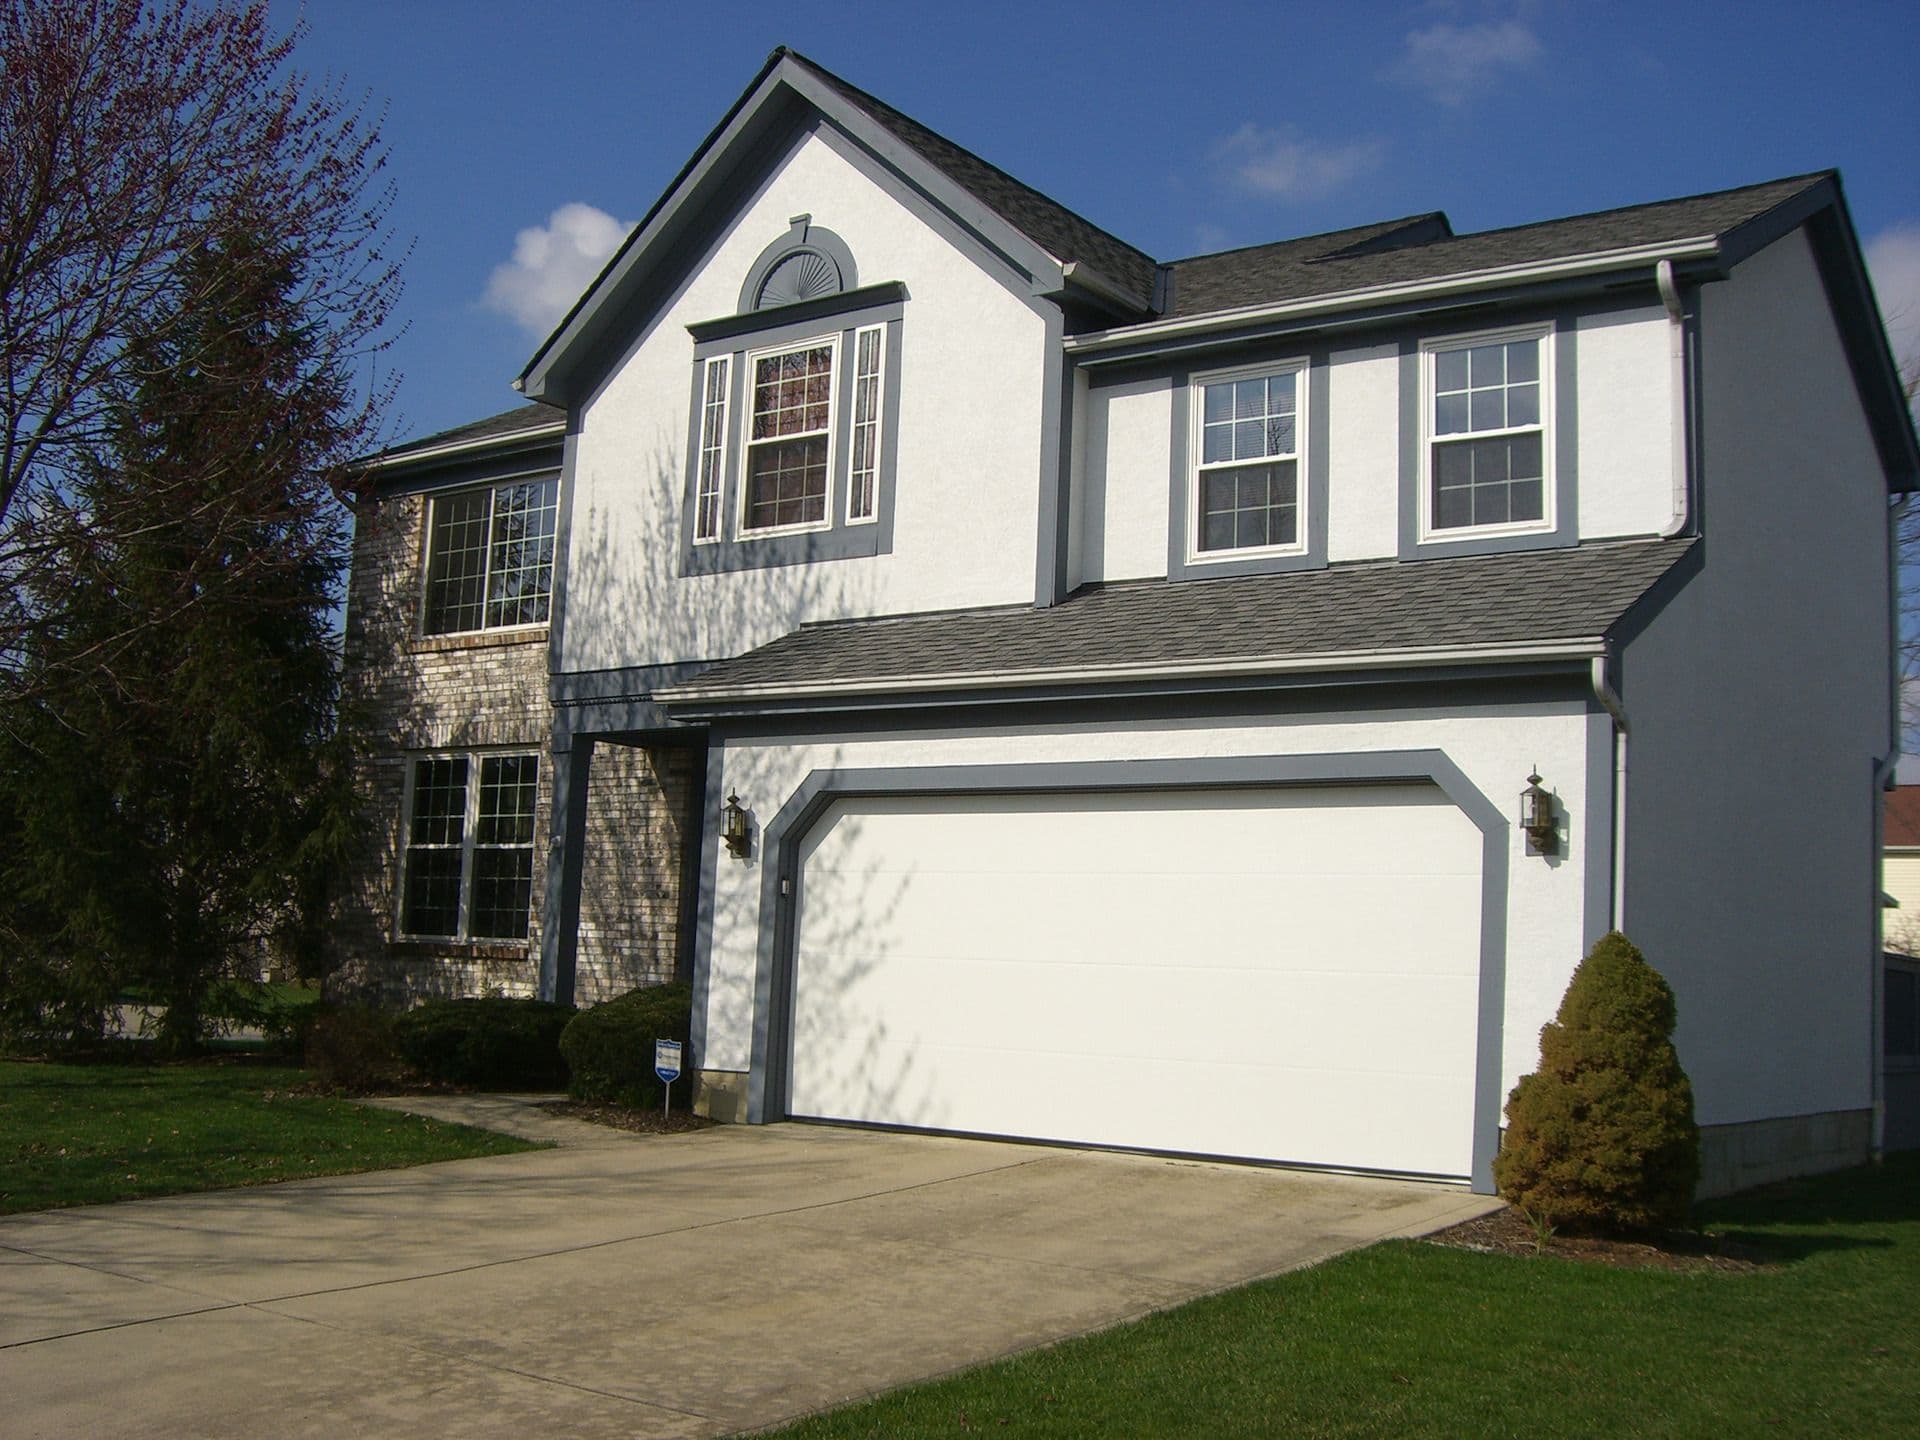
[
  {"x": 495, "y": 1043},
  {"x": 350, "y": 1047},
  {"x": 1602, "y": 1135},
  {"x": 609, "y": 1048}
]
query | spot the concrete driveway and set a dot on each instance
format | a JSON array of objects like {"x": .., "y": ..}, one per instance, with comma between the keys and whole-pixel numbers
[{"x": 687, "y": 1285}]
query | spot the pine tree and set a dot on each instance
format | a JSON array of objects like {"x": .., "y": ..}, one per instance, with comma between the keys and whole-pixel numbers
[
  {"x": 178, "y": 776},
  {"x": 1602, "y": 1135}
]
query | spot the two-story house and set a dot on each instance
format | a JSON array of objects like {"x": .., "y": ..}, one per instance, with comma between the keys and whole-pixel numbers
[{"x": 1203, "y": 706}]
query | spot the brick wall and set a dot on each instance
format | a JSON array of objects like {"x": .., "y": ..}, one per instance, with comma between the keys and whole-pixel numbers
[{"x": 414, "y": 693}]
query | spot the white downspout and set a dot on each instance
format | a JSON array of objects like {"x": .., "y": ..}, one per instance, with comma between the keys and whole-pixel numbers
[
  {"x": 1677, "y": 366},
  {"x": 1609, "y": 699}
]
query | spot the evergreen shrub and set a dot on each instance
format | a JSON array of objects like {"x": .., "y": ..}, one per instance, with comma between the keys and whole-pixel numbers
[
  {"x": 491, "y": 1042},
  {"x": 609, "y": 1047},
  {"x": 1602, "y": 1136}
]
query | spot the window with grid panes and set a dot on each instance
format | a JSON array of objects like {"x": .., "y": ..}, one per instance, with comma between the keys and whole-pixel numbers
[
  {"x": 1487, "y": 438},
  {"x": 490, "y": 557},
  {"x": 468, "y": 869},
  {"x": 790, "y": 427},
  {"x": 1247, "y": 479}
]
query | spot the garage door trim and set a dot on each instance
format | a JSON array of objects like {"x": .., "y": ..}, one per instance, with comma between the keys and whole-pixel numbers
[{"x": 780, "y": 848}]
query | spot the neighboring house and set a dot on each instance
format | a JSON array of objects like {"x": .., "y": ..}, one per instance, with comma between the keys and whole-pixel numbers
[
  {"x": 1900, "y": 1030},
  {"x": 1039, "y": 690}
]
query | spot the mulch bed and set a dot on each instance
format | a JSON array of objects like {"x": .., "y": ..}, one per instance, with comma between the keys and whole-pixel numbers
[
  {"x": 641, "y": 1122},
  {"x": 1506, "y": 1232}
]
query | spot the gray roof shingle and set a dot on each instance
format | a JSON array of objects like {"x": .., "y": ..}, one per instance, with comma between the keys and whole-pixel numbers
[
  {"x": 522, "y": 418},
  {"x": 1385, "y": 607},
  {"x": 1302, "y": 269},
  {"x": 1049, "y": 224}
]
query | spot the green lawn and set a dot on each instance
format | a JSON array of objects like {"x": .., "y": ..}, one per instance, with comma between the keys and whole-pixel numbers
[
  {"x": 86, "y": 1134},
  {"x": 1413, "y": 1339}
]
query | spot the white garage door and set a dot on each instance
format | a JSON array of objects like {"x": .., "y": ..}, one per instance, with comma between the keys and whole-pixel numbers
[{"x": 1282, "y": 974}]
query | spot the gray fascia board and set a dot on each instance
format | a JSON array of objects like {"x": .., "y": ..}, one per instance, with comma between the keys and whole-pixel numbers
[
  {"x": 1340, "y": 327},
  {"x": 762, "y": 107},
  {"x": 1013, "y": 690},
  {"x": 964, "y": 703}
]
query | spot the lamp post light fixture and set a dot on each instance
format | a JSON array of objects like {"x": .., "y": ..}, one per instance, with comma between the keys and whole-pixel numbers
[
  {"x": 1536, "y": 818},
  {"x": 738, "y": 836}
]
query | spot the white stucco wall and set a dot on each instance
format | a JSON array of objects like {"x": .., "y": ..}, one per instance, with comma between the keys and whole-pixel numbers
[
  {"x": 1128, "y": 450},
  {"x": 1625, "y": 417},
  {"x": 1545, "y": 919},
  {"x": 1624, "y": 408},
  {"x": 1759, "y": 700},
  {"x": 1363, "y": 453},
  {"x": 966, "y": 510}
]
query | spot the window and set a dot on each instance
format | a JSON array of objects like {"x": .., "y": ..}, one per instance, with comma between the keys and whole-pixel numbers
[
  {"x": 869, "y": 348},
  {"x": 789, "y": 438},
  {"x": 469, "y": 847},
  {"x": 713, "y": 452},
  {"x": 1900, "y": 1014},
  {"x": 1486, "y": 445},
  {"x": 1246, "y": 482},
  {"x": 490, "y": 557}
]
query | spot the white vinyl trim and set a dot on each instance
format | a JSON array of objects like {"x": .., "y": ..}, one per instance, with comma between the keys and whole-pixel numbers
[
  {"x": 462, "y": 447},
  {"x": 1579, "y": 649},
  {"x": 1702, "y": 247}
]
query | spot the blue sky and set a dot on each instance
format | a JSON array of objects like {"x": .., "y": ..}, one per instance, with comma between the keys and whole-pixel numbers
[{"x": 526, "y": 136}]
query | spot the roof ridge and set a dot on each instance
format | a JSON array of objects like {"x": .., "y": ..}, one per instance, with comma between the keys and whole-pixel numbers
[
  {"x": 1809, "y": 178},
  {"x": 1371, "y": 225}
]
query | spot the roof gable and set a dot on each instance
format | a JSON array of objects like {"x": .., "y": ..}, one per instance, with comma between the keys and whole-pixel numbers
[{"x": 1046, "y": 247}]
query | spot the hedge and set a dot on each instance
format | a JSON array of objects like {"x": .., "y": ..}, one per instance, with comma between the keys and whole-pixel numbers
[
  {"x": 609, "y": 1048},
  {"x": 494, "y": 1043}
]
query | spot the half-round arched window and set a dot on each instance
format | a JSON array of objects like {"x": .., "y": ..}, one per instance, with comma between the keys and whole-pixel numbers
[
  {"x": 806, "y": 263},
  {"x": 800, "y": 275}
]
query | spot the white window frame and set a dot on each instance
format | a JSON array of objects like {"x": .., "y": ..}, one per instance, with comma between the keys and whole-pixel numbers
[
  {"x": 829, "y": 341},
  {"x": 715, "y": 409},
  {"x": 492, "y": 489},
  {"x": 1430, "y": 350},
  {"x": 1196, "y": 464},
  {"x": 470, "y": 828},
  {"x": 876, "y": 422}
]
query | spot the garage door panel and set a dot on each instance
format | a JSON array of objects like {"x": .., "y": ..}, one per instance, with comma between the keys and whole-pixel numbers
[
  {"x": 1086, "y": 1008},
  {"x": 1287, "y": 975}
]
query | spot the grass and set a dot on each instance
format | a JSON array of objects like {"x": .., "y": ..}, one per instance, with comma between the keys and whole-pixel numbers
[
  {"x": 85, "y": 1134},
  {"x": 1414, "y": 1339}
]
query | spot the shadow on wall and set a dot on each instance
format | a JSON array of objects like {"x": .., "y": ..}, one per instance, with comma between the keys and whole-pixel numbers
[{"x": 628, "y": 605}]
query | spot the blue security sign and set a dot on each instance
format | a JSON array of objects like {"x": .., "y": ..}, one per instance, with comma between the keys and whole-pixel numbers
[{"x": 666, "y": 1060}]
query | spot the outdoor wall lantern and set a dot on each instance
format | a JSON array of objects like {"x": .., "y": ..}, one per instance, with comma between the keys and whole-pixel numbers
[
  {"x": 1536, "y": 818},
  {"x": 739, "y": 838}
]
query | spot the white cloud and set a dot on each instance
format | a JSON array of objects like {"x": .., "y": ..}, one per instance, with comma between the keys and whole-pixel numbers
[
  {"x": 1893, "y": 260},
  {"x": 1288, "y": 165},
  {"x": 551, "y": 265},
  {"x": 1452, "y": 63}
]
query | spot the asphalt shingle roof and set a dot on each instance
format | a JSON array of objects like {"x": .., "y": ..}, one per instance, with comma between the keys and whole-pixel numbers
[
  {"x": 1463, "y": 602},
  {"x": 1302, "y": 269},
  {"x": 1049, "y": 224},
  {"x": 507, "y": 423}
]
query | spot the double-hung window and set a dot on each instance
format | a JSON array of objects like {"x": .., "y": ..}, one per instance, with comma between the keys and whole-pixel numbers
[
  {"x": 1486, "y": 435},
  {"x": 1246, "y": 492},
  {"x": 789, "y": 437},
  {"x": 468, "y": 867},
  {"x": 490, "y": 557}
]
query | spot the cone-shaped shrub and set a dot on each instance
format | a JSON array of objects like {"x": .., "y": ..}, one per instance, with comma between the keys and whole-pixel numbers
[{"x": 1602, "y": 1135}]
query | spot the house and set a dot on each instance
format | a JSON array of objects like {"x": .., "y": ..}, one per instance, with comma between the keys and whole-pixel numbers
[
  {"x": 1031, "y": 688},
  {"x": 1900, "y": 1028}
]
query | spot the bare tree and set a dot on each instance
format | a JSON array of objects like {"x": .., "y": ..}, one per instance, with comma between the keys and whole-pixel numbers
[{"x": 134, "y": 136}]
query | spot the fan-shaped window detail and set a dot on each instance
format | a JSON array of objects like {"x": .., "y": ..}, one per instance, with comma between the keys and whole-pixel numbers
[
  {"x": 806, "y": 263},
  {"x": 803, "y": 275}
]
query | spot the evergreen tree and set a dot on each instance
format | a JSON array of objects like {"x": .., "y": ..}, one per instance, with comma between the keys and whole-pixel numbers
[
  {"x": 1602, "y": 1135},
  {"x": 178, "y": 775}
]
